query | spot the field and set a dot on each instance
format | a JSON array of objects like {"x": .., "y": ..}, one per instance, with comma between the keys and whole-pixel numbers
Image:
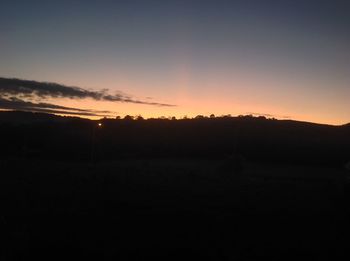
[{"x": 170, "y": 209}]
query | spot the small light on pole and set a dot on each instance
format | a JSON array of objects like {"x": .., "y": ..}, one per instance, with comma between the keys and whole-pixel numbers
[{"x": 93, "y": 141}]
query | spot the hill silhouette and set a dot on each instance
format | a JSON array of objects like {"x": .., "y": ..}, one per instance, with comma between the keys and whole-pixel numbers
[
  {"x": 25, "y": 117},
  {"x": 218, "y": 188},
  {"x": 254, "y": 138}
]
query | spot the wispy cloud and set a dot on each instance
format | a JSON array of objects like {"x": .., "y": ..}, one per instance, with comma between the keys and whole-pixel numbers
[
  {"x": 26, "y": 89},
  {"x": 269, "y": 115},
  {"x": 18, "y": 104}
]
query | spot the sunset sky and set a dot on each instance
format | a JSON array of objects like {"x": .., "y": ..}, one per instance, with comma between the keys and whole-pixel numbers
[{"x": 288, "y": 59}]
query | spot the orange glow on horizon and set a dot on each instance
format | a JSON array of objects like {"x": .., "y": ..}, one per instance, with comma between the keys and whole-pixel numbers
[{"x": 190, "y": 106}]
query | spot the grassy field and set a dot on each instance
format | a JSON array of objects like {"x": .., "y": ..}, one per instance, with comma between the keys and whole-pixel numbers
[{"x": 170, "y": 209}]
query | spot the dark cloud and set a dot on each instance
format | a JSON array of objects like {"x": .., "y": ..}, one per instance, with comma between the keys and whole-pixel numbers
[
  {"x": 11, "y": 87},
  {"x": 18, "y": 104}
]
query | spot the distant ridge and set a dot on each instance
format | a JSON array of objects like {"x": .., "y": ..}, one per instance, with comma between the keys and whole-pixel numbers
[
  {"x": 255, "y": 138},
  {"x": 23, "y": 117}
]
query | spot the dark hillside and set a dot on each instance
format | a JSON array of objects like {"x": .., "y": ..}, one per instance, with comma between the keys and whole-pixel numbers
[
  {"x": 229, "y": 188},
  {"x": 255, "y": 139}
]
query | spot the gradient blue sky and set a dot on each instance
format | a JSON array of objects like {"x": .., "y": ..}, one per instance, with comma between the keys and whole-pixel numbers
[{"x": 286, "y": 58}]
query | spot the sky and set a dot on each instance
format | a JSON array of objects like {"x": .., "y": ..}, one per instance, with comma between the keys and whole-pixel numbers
[{"x": 287, "y": 59}]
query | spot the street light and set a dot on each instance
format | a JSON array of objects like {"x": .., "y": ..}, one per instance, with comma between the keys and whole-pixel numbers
[{"x": 93, "y": 137}]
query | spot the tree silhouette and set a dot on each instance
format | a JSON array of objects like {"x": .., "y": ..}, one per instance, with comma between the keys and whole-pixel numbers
[{"x": 128, "y": 118}]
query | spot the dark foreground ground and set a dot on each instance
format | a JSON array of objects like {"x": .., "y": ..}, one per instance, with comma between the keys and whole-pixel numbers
[{"x": 172, "y": 210}]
